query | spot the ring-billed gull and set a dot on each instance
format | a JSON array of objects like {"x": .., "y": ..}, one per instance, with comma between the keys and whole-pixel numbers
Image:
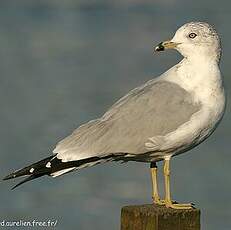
[{"x": 165, "y": 117}]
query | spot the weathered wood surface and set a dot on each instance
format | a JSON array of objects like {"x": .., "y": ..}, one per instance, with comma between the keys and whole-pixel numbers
[{"x": 153, "y": 217}]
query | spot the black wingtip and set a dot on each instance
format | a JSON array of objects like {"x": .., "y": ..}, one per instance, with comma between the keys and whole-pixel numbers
[
  {"x": 18, "y": 173},
  {"x": 32, "y": 177},
  {"x": 10, "y": 176},
  {"x": 38, "y": 167}
]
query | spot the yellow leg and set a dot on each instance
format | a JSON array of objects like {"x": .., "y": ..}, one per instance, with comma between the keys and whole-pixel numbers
[
  {"x": 168, "y": 201},
  {"x": 155, "y": 194}
]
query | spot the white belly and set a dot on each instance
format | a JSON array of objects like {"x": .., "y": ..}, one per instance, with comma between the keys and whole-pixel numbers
[{"x": 207, "y": 89}]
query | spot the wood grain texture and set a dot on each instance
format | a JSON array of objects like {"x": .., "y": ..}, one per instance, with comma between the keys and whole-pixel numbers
[{"x": 153, "y": 217}]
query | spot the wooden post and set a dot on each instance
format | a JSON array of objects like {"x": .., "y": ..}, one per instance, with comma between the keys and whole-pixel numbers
[{"x": 155, "y": 217}]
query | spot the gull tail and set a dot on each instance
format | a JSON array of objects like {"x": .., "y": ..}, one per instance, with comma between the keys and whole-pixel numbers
[{"x": 52, "y": 166}]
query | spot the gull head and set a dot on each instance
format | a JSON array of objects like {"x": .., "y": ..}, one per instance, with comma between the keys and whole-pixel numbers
[{"x": 193, "y": 40}]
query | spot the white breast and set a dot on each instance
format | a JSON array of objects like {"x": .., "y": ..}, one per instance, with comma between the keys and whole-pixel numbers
[{"x": 205, "y": 84}]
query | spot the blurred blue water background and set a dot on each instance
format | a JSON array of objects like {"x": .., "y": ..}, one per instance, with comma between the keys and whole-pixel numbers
[{"x": 65, "y": 62}]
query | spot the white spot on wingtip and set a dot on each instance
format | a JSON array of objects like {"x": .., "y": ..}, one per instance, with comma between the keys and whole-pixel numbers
[
  {"x": 31, "y": 170},
  {"x": 48, "y": 165}
]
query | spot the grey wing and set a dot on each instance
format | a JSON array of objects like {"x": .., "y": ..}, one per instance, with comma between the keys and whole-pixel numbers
[{"x": 156, "y": 108}]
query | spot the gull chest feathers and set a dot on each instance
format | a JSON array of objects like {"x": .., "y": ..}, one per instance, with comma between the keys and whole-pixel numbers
[
  {"x": 202, "y": 78},
  {"x": 199, "y": 75}
]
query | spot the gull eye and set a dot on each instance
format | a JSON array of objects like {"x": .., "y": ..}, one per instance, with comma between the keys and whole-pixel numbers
[{"x": 192, "y": 35}]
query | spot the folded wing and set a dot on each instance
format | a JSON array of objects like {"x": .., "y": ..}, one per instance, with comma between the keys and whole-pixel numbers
[{"x": 156, "y": 108}]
